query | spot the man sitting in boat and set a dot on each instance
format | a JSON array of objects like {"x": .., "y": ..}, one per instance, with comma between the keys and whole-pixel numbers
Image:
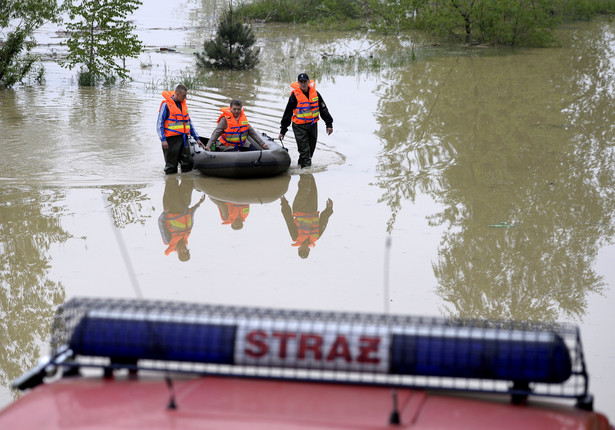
[{"x": 233, "y": 130}]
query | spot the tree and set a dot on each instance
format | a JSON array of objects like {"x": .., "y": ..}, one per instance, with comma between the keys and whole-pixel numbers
[
  {"x": 100, "y": 35},
  {"x": 18, "y": 20},
  {"x": 502, "y": 22},
  {"x": 231, "y": 48}
]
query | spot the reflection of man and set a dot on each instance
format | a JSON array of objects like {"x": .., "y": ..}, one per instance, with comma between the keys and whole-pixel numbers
[
  {"x": 234, "y": 214},
  {"x": 305, "y": 223},
  {"x": 176, "y": 220}
]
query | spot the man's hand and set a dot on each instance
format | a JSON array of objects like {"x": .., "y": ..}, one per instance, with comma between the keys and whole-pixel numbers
[
  {"x": 264, "y": 145},
  {"x": 281, "y": 136},
  {"x": 165, "y": 144},
  {"x": 208, "y": 147},
  {"x": 329, "y": 130},
  {"x": 201, "y": 144},
  {"x": 330, "y": 203}
]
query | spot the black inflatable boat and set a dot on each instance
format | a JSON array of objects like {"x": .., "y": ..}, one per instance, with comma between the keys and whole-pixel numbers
[{"x": 243, "y": 164}]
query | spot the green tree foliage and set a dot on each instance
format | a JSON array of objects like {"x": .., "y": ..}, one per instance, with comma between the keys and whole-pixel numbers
[
  {"x": 303, "y": 10},
  {"x": 18, "y": 20},
  {"x": 232, "y": 48},
  {"x": 504, "y": 22},
  {"x": 30, "y": 226},
  {"x": 100, "y": 36}
]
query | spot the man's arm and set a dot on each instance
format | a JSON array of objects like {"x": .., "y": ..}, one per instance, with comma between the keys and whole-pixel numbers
[
  {"x": 163, "y": 115},
  {"x": 288, "y": 114},
  {"x": 217, "y": 133},
  {"x": 324, "y": 217},
  {"x": 287, "y": 213},
  {"x": 324, "y": 111},
  {"x": 193, "y": 132},
  {"x": 193, "y": 208},
  {"x": 254, "y": 135}
]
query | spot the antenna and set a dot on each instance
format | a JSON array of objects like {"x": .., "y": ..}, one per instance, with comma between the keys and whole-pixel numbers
[
  {"x": 125, "y": 256},
  {"x": 387, "y": 252},
  {"x": 394, "y": 418},
  {"x": 172, "y": 405}
]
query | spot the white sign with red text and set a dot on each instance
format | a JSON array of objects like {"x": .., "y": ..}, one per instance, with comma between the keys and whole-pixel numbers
[{"x": 312, "y": 345}]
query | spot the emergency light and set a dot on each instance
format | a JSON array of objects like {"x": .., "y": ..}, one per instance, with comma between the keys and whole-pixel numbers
[{"x": 393, "y": 346}]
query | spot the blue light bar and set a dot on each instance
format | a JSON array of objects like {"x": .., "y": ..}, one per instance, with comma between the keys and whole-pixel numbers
[
  {"x": 394, "y": 349},
  {"x": 540, "y": 359},
  {"x": 128, "y": 340}
]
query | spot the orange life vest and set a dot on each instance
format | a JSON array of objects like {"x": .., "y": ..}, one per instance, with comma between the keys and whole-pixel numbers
[
  {"x": 235, "y": 210},
  {"x": 180, "y": 227},
  {"x": 236, "y": 131},
  {"x": 306, "y": 111},
  {"x": 178, "y": 122},
  {"x": 308, "y": 226}
]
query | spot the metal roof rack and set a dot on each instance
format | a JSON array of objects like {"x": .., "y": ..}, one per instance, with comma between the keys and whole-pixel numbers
[{"x": 519, "y": 359}]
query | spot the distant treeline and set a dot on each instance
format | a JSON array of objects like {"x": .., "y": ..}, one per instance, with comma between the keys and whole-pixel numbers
[{"x": 501, "y": 22}]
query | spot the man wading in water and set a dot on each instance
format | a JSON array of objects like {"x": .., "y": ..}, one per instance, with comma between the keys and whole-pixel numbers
[
  {"x": 174, "y": 126},
  {"x": 305, "y": 106}
]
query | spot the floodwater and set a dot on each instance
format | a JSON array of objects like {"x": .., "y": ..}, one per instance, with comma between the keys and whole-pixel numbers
[{"x": 490, "y": 172}]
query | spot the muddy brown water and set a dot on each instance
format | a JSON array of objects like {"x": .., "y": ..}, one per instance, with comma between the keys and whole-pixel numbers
[{"x": 490, "y": 170}]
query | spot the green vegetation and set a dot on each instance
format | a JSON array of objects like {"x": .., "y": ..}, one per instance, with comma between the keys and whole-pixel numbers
[
  {"x": 498, "y": 22},
  {"x": 326, "y": 14},
  {"x": 18, "y": 20},
  {"x": 295, "y": 11},
  {"x": 501, "y": 22},
  {"x": 101, "y": 35},
  {"x": 232, "y": 46}
]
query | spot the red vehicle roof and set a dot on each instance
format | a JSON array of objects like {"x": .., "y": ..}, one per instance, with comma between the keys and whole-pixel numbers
[{"x": 237, "y": 403}]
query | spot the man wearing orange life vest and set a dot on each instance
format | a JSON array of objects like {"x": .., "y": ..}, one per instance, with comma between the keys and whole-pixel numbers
[
  {"x": 177, "y": 219},
  {"x": 305, "y": 223},
  {"x": 233, "y": 130},
  {"x": 174, "y": 126},
  {"x": 234, "y": 214},
  {"x": 304, "y": 108}
]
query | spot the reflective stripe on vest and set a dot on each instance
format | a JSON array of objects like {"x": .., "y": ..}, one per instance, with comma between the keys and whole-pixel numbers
[
  {"x": 178, "y": 222},
  {"x": 308, "y": 226},
  {"x": 178, "y": 122},
  {"x": 307, "y": 111},
  {"x": 235, "y": 210},
  {"x": 180, "y": 227},
  {"x": 236, "y": 131}
]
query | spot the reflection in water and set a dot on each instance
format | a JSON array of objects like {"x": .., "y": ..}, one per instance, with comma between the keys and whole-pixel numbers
[
  {"x": 128, "y": 204},
  {"x": 241, "y": 191},
  {"x": 305, "y": 223},
  {"x": 234, "y": 214},
  {"x": 29, "y": 226},
  {"x": 516, "y": 140},
  {"x": 177, "y": 219},
  {"x": 233, "y": 197}
]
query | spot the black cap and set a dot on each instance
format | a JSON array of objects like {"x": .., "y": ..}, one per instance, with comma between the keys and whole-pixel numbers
[{"x": 303, "y": 77}]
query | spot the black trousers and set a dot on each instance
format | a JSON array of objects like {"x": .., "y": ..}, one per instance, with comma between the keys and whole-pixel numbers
[
  {"x": 177, "y": 153},
  {"x": 305, "y": 135}
]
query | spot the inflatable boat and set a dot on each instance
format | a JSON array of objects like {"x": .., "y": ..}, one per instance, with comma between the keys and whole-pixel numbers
[
  {"x": 242, "y": 164},
  {"x": 133, "y": 364},
  {"x": 260, "y": 191}
]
